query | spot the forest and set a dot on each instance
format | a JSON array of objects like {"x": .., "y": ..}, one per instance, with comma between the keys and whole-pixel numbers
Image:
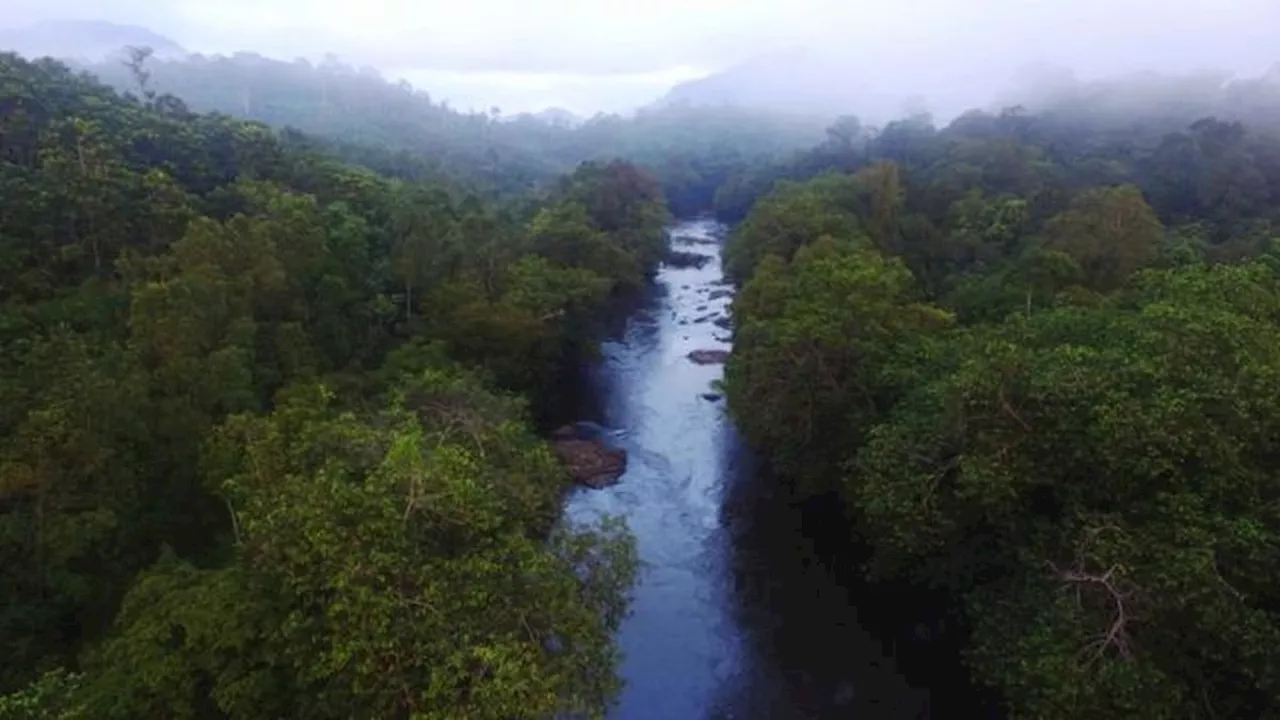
[
  {"x": 403, "y": 131},
  {"x": 1034, "y": 357},
  {"x": 229, "y": 361},
  {"x": 278, "y": 342}
]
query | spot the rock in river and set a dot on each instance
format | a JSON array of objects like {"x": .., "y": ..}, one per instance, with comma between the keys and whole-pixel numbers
[
  {"x": 716, "y": 295},
  {"x": 709, "y": 357},
  {"x": 724, "y": 323},
  {"x": 680, "y": 259},
  {"x": 590, "y": 462},
  {"x": 713, "y": 397},
  {"x": 694, "y": 240}
]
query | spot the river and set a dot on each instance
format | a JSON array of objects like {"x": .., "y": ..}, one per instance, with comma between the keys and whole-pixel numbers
[{"x": 733, "y": 615}]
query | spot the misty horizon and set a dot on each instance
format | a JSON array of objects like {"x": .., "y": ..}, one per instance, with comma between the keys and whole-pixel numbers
[{"x": 527, "y": 57}]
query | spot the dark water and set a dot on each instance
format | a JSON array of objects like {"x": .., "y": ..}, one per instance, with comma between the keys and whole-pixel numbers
[{"x": 734, "y": 615}]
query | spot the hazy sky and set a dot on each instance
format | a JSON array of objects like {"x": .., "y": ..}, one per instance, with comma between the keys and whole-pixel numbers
[{"x": 607, "y": 54}]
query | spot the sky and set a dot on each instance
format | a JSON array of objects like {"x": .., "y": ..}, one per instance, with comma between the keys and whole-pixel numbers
[{"x": 603, "y": 55}]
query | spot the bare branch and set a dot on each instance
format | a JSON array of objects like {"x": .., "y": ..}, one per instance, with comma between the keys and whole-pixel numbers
[{"x": 1111, "y": 586}]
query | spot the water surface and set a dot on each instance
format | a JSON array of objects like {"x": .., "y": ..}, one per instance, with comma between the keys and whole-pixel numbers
[{"x": 733, "y": 617}]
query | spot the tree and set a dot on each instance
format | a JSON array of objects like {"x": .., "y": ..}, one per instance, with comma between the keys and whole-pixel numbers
[
  {"x": 789, "y": 218},
  {"x": 423, "y": 228},
  {"x": 1109, "y": 232},
  {"x": 882, "y": 185},
  {"x": 1097, "y": 485},
  {"x": 136, "y": 62},
  {"x": 193, "y": 423},
  {"x": 446, "y": 605},
  {"x": 810, "y": 369}
]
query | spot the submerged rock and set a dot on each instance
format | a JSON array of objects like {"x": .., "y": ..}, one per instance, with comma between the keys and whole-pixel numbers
[
  {"x": 694, "y": 240},
  {"x": 716, "y": 295},
  {"x": 702, "y": 319},
  {"x": 680, "y": 259},
  {"x": 709, "y": 357},
  {"x": 724, "y": 323},
  {"x": 589, "y": 462},
  {"x": 713, "y": 397}
]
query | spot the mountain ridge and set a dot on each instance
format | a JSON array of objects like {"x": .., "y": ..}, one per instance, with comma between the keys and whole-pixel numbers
[{"x": 85, "y": 40}]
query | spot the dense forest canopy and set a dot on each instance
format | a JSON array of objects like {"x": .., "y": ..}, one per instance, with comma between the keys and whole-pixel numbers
[
  {"x": 1089, "y": 132},
  {"x": 266, "y": 444},
  {"x": 274, "y": 339},
  {"x": 1035, "y": 356}
]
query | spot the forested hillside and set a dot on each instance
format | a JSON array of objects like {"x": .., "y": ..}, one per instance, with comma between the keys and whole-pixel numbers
[
  {"x": 1036, "y": 358},
  {"x": 405, "y": 132},
  {"x": 265, "y": 425},
  {"x": 275, "y": 339}
]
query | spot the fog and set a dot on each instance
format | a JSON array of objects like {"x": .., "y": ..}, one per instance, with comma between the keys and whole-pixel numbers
[{"x": 812, "y": 54}]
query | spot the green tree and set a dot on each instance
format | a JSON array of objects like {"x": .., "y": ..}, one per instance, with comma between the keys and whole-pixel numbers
[
  {"x": 1109, "y": 232},
  {"x": 809, "y": 373},
  {"x": 789, "y": 218},
  {"x": 383, "y": 567},
  {"x": 1097, "y": 484}
]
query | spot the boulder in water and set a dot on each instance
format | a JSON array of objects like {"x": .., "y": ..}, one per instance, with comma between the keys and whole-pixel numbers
[
  {"x": 713, "y": 397},
  {"x": 716, "y": 295},
  {"x": 681, "y": 259},
  {"x": 724, "y": 323},
  {"x": 709, "y": 357},
  {"x": 589, "y": 462},
  {"x": 694, "y": 240}
]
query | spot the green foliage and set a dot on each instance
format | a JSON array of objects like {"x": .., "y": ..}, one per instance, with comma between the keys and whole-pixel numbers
[
  {"x": 790, "y": 217},
  {"x": 384, "y": 566},
  {"x": 50, "y": 697},
  {"x": 257, "y": 455},
  {"x": 1100, "y": 484},
  {"x": 809, "y": 373},
  {"x": 1049, "y": 391},
  {"x": 1108, "y": 233}
]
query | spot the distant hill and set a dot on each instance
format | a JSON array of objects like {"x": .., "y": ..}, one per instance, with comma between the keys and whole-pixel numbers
[
  {"x": 807, "y": 81},
  {"x": 879, "y": 84},
  {"x": 559, "y": 116},
  {"x": 798, "y": 82},
  {"x": 85, "y": 40}
]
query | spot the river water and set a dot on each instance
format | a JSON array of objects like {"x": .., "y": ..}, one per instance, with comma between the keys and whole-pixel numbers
[{"x": 733, "y": 616}]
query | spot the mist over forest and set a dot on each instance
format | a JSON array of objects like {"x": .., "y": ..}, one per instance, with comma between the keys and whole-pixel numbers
[{"x": 295, "y": 305}]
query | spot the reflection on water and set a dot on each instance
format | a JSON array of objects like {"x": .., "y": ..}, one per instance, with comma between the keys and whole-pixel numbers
[{"x": 733, "y": 616}]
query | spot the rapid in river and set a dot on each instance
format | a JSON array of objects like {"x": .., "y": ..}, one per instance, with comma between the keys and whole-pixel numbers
[{"x": 733, "y": 616}]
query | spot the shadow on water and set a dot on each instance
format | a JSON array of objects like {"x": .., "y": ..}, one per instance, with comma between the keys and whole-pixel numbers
[
  {"x": 813, "y": 655},
  {"x": 746, "y": 607}
]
